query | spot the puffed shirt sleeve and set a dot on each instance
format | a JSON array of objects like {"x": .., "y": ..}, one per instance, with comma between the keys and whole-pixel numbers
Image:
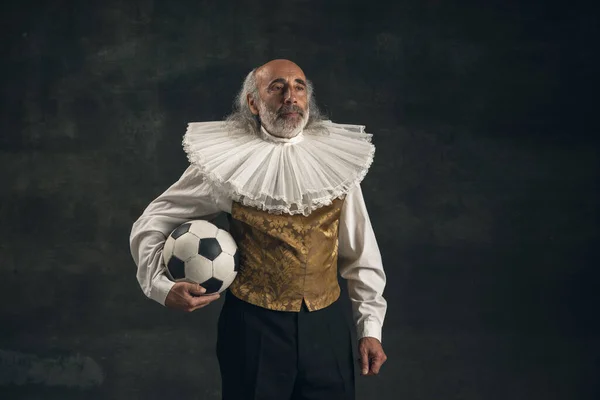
[
  {"x": 360, "y": 264},
  {"x": 187, "y": 199}
]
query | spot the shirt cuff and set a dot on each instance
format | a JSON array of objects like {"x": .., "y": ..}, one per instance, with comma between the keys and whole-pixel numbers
[
  {"x": 370, "y": 329},
  {"x": 161, "y": 286}
]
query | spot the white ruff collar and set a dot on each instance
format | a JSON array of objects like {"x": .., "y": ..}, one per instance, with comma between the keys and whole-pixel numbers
[{"x": 293, "y": 176}]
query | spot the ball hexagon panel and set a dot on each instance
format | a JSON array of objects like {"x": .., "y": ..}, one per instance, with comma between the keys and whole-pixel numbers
[
  {"x": 198, "y": 269},
  {"x": 186, "y": 246},
  {"x": 212, "y": 285},
  {"x": 203, "y": 229},
  {"x": 209, "y": 248},
  {"x": 176, "y": 268},
  {"x": 223, "y": 266},
  {"x": 226, "y": 241}
]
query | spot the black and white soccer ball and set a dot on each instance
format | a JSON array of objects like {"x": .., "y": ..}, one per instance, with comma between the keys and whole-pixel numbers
[{"x": 199, "y": 252}]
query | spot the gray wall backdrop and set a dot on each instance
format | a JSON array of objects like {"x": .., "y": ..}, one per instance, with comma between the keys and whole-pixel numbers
[{"x": 483, "y": 193}]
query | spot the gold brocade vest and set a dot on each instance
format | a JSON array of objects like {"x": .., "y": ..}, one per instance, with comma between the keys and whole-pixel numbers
[{"x": 286, "y": 259}]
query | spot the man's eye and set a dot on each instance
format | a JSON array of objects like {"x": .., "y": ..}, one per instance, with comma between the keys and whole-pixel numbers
[
  {"x": 300, "y": 88},
  {"x": 277, "y": 87}
]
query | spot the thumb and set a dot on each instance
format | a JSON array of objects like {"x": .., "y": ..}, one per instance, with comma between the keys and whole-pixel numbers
[
  {"x": 195, "y": 289},
  {"x": 364, "y": 362}
]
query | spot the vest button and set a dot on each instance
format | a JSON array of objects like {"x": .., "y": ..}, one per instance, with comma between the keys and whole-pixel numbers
[{"x": 304, "y": 250}]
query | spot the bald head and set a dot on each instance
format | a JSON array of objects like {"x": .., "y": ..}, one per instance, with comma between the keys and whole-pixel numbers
[
  {"x": 278, "y": 68},
  {"x": 282, "y": 103}
]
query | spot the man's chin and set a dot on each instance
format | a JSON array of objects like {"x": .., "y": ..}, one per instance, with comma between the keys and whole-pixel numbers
[
  {"x": 286, "y": 132},
  {"x": 289, "y": 124},
  {"x": 291, "y": 116}
]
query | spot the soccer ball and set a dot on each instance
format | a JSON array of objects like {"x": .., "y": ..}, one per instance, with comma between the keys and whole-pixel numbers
[{"x": 199, "y": 252}]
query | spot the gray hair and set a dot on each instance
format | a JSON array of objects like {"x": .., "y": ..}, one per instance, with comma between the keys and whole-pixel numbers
[{"x": 242, "y": 117}]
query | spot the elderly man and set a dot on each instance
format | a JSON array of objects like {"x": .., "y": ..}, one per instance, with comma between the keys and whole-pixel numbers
[{"x": 289, "y": 182}]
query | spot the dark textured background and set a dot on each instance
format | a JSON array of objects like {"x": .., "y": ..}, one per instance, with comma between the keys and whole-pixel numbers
[{"x": 483, "y": 193}]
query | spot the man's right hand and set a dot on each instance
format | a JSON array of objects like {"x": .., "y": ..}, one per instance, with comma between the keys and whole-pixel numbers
[{"x": 189, "y": 297}]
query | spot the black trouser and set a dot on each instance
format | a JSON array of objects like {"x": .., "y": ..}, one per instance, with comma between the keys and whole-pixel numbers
[{"x": 276, "y": 355}]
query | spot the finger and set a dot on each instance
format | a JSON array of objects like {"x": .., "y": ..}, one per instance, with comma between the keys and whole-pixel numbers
[
  {"x": 364, "y": 363},
  {"x": 200, "y": 306},
  {"x": 201, "y": 301},
  {"x": 375, "y": 365},
  {"x": 196, "y": 290},
  {"x": 377, "y": 362}
]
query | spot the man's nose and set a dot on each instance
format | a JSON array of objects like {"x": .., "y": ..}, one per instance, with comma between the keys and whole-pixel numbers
[{"x": 289, "y": 97}]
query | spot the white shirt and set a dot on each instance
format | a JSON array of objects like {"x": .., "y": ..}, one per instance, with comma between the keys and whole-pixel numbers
[{"x": 191, "y": 197}]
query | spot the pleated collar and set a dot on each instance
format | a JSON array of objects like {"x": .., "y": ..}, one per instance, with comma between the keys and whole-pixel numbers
[{"x": 280, "y": 175}]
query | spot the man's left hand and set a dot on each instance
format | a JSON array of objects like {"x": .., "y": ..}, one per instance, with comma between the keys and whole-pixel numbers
[{"x": 371, "y": 355}]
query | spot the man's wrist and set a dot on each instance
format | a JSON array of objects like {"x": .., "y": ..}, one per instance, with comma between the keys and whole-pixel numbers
[
  {"x": 369, "y": 328},
  {"x": 161, "y": 286}
]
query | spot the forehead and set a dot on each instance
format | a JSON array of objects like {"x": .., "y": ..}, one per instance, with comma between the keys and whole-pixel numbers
[{"x": 272, "y": 71}]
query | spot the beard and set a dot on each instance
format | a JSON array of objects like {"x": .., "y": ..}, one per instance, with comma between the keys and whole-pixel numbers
[{"x": 278, "y": 125}]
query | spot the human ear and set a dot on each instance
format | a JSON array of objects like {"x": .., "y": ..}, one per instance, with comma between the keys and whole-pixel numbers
[{"x": 252, "y": 104}]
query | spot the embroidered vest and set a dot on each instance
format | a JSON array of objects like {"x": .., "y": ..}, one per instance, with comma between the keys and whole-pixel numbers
[{"x": 287, "y": 259}]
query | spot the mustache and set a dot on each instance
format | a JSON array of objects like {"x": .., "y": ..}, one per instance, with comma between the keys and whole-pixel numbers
[{"x": 290, "y": 109}]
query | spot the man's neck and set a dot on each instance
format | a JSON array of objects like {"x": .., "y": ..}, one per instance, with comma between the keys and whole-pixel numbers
[
  {"x": 280, "y": 135},
  {"x": 298, "y": 137}
]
